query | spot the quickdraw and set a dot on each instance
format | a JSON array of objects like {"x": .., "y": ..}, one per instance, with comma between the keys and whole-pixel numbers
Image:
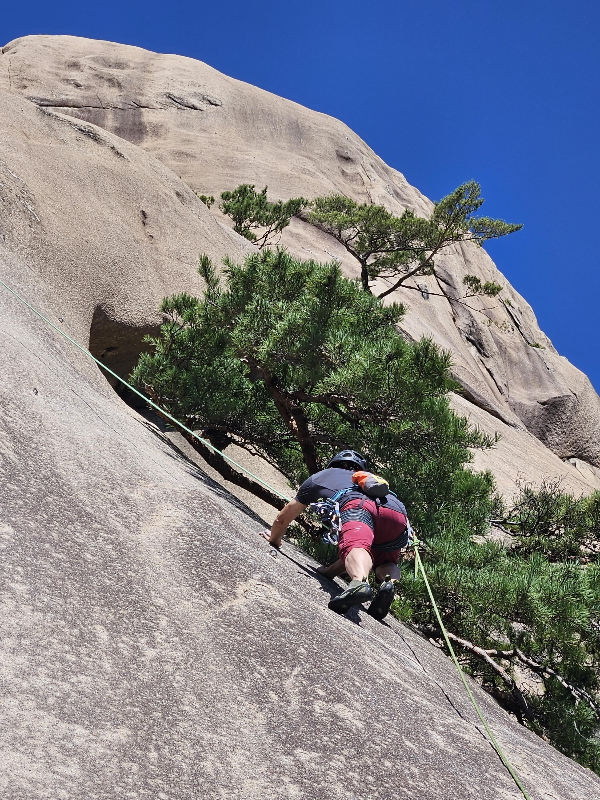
[{"x": 329, "y": 515}]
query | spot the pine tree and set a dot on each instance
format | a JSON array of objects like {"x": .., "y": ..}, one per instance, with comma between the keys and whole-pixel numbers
[
  {"x": 524, "y": 612},
  {"x": 292, "y": 361},
  {"x": 399, "y": 248},
  {"x": 251, "y": 211}
]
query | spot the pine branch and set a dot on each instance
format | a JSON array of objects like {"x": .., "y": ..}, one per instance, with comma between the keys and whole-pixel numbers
[
  {"x": 486, "y": 655},
  {"x": 222, "y": 466},
  {"x": 230, "y": 474},
  {"x": 575, "y": 691},
  {"x": 453, "y": 299},
  {"x": 508, "y": 655},
  {"x": 428, "y": 263}
]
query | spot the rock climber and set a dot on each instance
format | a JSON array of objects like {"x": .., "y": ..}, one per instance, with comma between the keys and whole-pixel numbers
[{"x": 373, "y": 531}]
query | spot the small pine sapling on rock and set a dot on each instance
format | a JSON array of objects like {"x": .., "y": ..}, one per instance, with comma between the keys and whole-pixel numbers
[
  {"x": 251, "y": 211},
  {"x": 208, "y": 200}
]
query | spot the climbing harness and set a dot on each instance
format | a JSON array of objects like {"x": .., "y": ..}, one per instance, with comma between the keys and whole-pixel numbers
[
  {"x": 329, "y": 515},
  {"x": 331, "y": 518},
  {"x": 327, "y": 510}
]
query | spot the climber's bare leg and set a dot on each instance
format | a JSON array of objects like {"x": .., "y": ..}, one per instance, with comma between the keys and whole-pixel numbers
[
  {"x": 333, "y": 570},
  {"x": 388, "y": 568}
]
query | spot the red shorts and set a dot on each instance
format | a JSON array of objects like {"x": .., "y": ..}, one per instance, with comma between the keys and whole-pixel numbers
[{"x": 378, "y": 526}]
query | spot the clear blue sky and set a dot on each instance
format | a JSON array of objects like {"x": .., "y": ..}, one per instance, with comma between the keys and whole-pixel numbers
[{"x": 504, "y": 92}]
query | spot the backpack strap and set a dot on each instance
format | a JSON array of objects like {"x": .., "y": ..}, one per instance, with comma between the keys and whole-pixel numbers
[{"x": 340, "y": 493}]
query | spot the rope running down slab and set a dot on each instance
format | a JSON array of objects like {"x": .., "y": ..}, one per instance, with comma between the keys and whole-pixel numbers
[
  {"x": 143, "y": 396},
  {"x": 498, "y": 749}
]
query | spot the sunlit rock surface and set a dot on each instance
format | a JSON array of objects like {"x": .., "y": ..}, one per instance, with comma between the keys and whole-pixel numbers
[
  {"x": 151, "y": 645},
  {"x": 216, "y": 132}
]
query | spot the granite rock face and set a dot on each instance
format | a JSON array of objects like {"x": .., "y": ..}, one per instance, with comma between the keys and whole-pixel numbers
[
  {"x": 216, "y": 132},
  {"x": 152, "y": 646}
]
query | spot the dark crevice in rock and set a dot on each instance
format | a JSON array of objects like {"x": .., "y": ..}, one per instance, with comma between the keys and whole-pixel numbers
[
  {"x": 54, "y": 103},
  {"x": 118, "y": 345},
  {"x": 479, "y": 401},
  {"x": 418, "y": 632},
  {"x": 177, "y": 102},
  {"x": 477, "y": 344},
  {"x": 344, "y": 154},
  {"x": 517, "y": 323},
  {"x": 512, "y": 313},
  {"x": 493, "y": 377},
  {"x": 440, "y": 278},
  {"x": 181, "y": 102},
  {"x": 42, "y": 102},
  {"x": 473, "y": 397},
  {"x": 135, "y": 104},
  {"x": 475, "y": 338},
  {"x": 405, "y": 334},
  {"x": 91, "y": 133}
]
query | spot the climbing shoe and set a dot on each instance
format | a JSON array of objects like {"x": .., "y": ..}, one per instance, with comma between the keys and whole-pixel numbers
[
  {"x": 357, "y": 592},
  {"x": 383, "y": 600}
]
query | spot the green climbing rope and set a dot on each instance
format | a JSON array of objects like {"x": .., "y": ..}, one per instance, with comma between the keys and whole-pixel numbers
[
  {"x": 419, "y": 565},
  {"x": 418, "y": 562},
  {"x": 143, "y": 396}
]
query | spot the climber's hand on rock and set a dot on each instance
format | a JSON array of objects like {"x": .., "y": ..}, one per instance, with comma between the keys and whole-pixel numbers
[{"x": 267, "y": 535}]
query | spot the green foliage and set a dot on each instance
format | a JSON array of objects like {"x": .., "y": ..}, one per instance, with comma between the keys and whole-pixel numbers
[
  {"x": 251, "y": 211},
  {"x": 538, "y": 593},
  {"x": 294, "y": 361},
  {"x": 571, "y": 727},
  {"x": 208, "y": 200},
  {"x": 552, "y": 522},
  {"x": 476, "y": 287},
  {"x": 398, "y": 248}
]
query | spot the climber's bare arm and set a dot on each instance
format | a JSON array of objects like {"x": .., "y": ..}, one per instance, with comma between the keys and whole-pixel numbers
[{"x": 282, "y": 520}]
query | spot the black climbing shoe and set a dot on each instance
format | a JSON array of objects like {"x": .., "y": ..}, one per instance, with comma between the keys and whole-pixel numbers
[
  {"x": 383, "y": 600},
  {"x": 357, "y": 592}
]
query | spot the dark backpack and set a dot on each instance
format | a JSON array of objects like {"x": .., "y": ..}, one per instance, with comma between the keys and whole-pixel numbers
[{"x": 370, "y": 484}]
